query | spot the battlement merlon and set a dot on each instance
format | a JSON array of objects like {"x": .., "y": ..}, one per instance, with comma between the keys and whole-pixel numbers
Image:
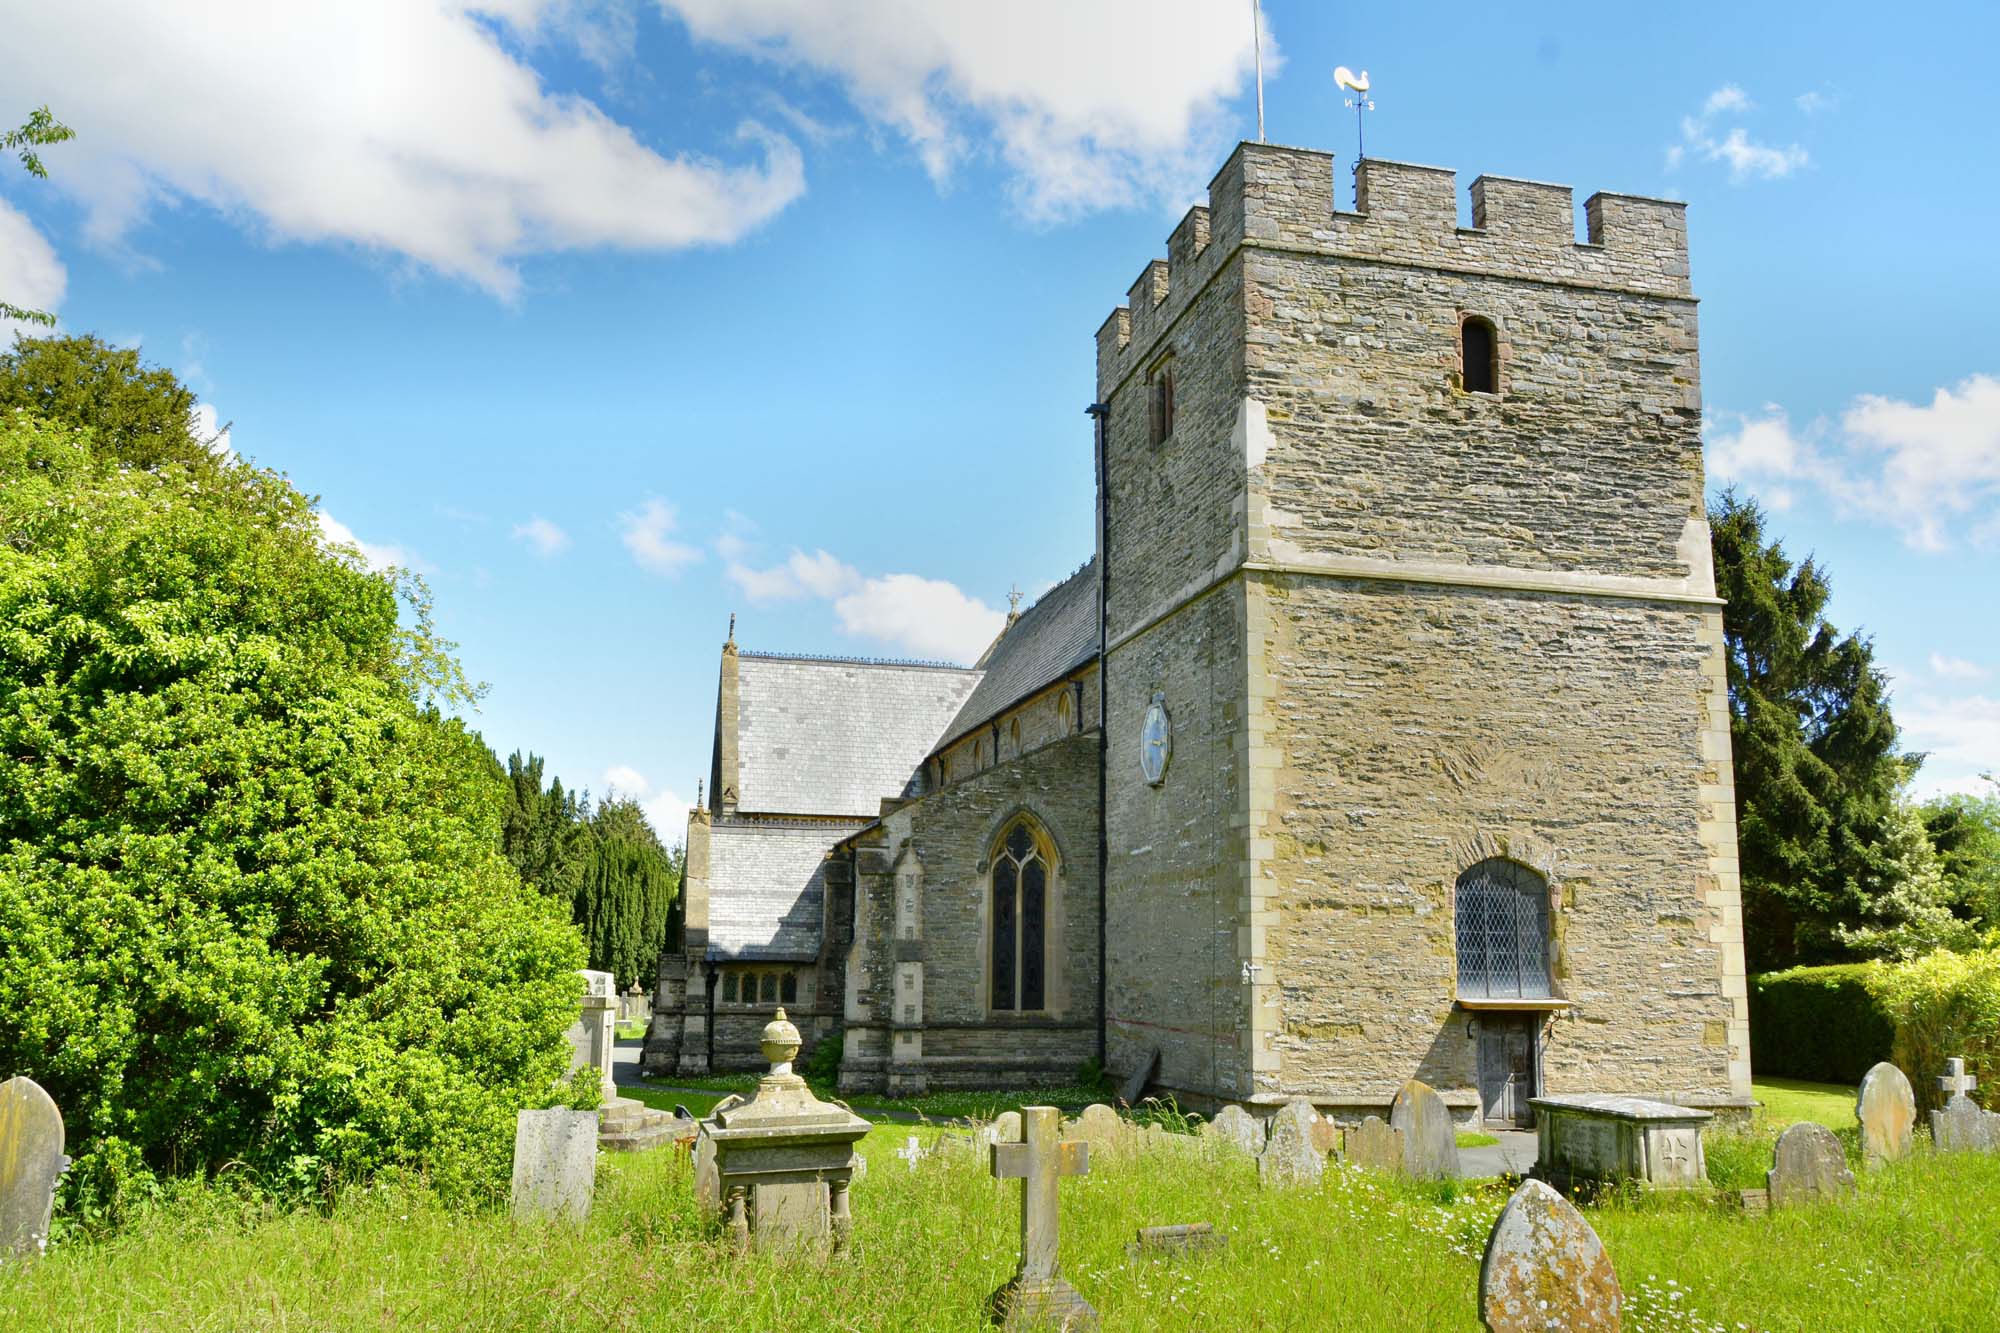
[{"x": 1407, "y": 214}]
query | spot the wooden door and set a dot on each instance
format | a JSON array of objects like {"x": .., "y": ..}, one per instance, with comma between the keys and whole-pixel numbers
[{"x": 1506, "y": 1067}]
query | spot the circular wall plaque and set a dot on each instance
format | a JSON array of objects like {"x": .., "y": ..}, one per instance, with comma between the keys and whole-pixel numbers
[{"x": 1156, "y": 741}]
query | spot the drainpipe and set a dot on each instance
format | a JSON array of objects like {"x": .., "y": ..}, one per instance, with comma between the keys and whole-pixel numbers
[{"x": 1101, "y": 414}]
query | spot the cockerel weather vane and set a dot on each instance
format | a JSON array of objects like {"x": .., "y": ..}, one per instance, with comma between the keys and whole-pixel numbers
[{"x": 1357, "y": 84}]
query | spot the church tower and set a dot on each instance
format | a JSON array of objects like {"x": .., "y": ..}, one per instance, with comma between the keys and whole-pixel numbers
[{"x": 1418, "y": 752}]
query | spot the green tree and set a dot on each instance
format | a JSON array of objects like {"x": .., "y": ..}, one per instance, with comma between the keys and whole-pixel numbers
[
  {"x": 39, "y": 131},
  {"x": 626, "y": 897},
  {"x": 546, "y": 831},
  {"x": 1965, "y": 830},
  {"x": 252, "y": 904},
  {"x": 1817, "y": 764},
  {"x": 134, "y": 414}
]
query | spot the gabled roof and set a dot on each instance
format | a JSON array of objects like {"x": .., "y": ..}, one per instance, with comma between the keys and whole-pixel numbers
[
  {"x": 834, "y": 736},
  {"x": 771, "y": 882},
  {"x": 1052, "y": 638}
]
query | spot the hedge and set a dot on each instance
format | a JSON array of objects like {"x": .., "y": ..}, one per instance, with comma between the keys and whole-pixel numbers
[{"x": 1829, "y": 1024}]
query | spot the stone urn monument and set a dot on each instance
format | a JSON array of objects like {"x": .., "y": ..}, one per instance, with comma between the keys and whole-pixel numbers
[{"x": 775, "y": 1168}]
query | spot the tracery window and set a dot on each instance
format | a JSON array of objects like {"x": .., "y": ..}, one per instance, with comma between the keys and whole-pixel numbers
[
  {"x": 1020, "y": 920},
  {"x": 1503, "y": 932}
]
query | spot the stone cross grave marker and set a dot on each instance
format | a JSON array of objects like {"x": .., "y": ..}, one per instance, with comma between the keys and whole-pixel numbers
[
  {"x": 555, "y": 1163},
  {"x": 1236, "y": 1127},
  {"x": 911, "y": 1152},
  {"x": 1545, "y": 1269},
  {"x": 31, "y": 1162},
  {"x": 1961, "y": 1126},
  {"x": 1375, "y": 1145},
  {"x": 1037, "y": 1295},
  {"x": 1289, "y": 1157},
  {"x": 1430, "y": 1140},
  {"x": 1886, "y": 1106},
  {"x": 1809, "y": 1165},
  {"x": 1954, "y": 1081}
]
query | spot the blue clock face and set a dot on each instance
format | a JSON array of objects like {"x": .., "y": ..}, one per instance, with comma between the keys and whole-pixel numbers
[{"x": 1156, "y": 742}]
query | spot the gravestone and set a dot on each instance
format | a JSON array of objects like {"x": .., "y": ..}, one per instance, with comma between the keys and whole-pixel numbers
[
  {"x": 1172, "y": 1242},
  {"x": 1101, "y": 1127},
  {"x": 1886, "y": 1106},
  {"x": 593, "y": 1037},
  {"x": 31, "y": 1162},
  {"x": 555, "y": 1163},
  {"x": 1007, "y": 1127},
  {"x": 1135, "y": 1086},
  {"x": 1289, "y": 1157},
  {"x": 1546, "y": 1270},
  {"x": 1376, "y": 1145},
  {"x": 1236, "y": 1127},
  {"x": 1809, "y": 1165},
  {"x": 1961, "y": 1126},
  {"x": 911, "y": 1152},
  {"x": 1430, "y": 1140},
  {"x": 1037, "y": 1296},
  {"x": 1325, "y": 1137},
  {"x": 1605, "y": 1136}
]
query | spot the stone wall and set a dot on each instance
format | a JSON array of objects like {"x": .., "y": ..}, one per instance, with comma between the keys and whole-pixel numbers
[{"x": 917, "y": 1016}]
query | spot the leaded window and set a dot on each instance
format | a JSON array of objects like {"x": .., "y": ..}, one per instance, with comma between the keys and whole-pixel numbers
[
  {"x": 788, "y": 989},
  {"x": 729, "y": 988},
  {"x": 1503, "y": 932},
  {"x": 1020, "y": 921},
  {"x": 770, "y": 985}
]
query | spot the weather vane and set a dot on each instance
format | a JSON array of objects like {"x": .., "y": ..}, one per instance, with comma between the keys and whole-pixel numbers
[{"x": 1361, "y": 102}]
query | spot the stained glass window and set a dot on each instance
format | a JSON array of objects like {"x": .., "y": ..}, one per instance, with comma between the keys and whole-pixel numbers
[
  {"x": 1503, "y": 932},
  {"x": 1020, "y": 922},
  {"x": 1005, "y": 876}
]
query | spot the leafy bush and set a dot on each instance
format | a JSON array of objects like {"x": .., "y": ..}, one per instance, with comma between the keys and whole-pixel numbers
[
  {"x": 1822, "y": 1023},
  {"x": 1947, "y": 1004},
  {"x": 252, "y": 906}
]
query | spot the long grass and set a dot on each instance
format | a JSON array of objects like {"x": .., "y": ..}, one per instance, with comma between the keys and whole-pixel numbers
[{"x": 1913, "y": 1250}]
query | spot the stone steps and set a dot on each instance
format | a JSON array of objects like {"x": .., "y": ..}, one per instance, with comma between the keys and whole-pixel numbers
[{"x": 626, "y": 1125}]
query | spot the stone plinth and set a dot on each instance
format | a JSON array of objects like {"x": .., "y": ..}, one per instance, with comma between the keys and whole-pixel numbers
[
  {"x": 775, "y": 1169},
  {"x": 593, "y": 1036},
  {"x": 1597, "y": 1136}
]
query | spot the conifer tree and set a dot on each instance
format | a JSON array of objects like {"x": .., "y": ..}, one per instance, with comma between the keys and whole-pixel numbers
[
  {"x": 626, "y": 894},
  {"x": 545, "y": 833},
  {"x": 1817, "y": 763}
]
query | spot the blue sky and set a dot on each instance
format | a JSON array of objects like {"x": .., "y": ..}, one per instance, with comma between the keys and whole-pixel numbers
[{"x": 614, "y": 318}]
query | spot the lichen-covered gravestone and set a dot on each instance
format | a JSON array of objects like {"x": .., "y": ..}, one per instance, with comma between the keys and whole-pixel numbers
[
  {"x": 1809, "y": 1165},
  {"x": 1236, "y": 1127},
  {"x": 1546, "y": 1270},
  {"x": 1430, "y": 1140},
  {"x": 31, "y": 1162},
  {"x": 555, "y": 1163},
  {"x": 1289, "y": 1157},
  {"x": 1101, "y": 1127},
  {"x": 1376, "y": 1145},
  {"x": 1886, "y": 1106},
  {"x": 1961, "y": 1126}
]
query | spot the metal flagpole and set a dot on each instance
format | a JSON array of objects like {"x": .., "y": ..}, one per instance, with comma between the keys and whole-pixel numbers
[{"x": 1257, "y": 44}]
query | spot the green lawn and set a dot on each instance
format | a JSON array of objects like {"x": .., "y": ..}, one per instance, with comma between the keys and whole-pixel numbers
[
  {"x": 1914, "y": 1250},
  {"x": 1789, "y": 1100},
  {"x": 700, "y": 1094}
]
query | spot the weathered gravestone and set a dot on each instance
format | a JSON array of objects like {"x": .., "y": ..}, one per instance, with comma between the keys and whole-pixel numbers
[
  {"x": 1809, "y": 1165},
  {"x": 1604, "y": 1136},
  {"x": 1007, "y": 1127},
  {"x": 1430, "y": 1140},
  {"x": 1326, "y": 1136},
  {"x": 1961, "y": 1126},
  {"x": 1236, "y": 1127},
  {"x": 1102, "y": 1128},
  {"x": 1545, "y": 1270},
  {"x": 1377, "y": 1146},
  {"x": 1142, "y": 1074},
  {"x": 31, "y": 1162},
  {"x": 1171, "y": 1242},
  {"x": 1887, "y": 1109},
  {"x": 1289, "y": 1157},
  {"x": 1037, "y": 1296},
  {"x": 555, "y": 1163}
]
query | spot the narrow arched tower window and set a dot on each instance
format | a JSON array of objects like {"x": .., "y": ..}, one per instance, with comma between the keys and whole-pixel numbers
[
  {"x": 1020, "y": 920},
  {"x": 1479, "y": 356},
  {"x": 1503, "y": 932}
]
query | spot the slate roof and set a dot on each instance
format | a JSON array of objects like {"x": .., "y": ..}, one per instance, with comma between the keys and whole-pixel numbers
[
  {"x": 770, "y": 882},
  {"x": 833, "y": 736},
  {"x": 1052, "y": 638}
]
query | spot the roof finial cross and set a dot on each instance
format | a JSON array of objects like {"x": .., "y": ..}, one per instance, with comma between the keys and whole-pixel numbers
[{"x": 1014, "y": 600}]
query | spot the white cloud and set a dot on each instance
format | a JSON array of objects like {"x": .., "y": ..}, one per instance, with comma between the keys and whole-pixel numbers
[
  {"x": 647, "y": 537},
  {"x": 31, "y": 276},
  {"x": 399, "y": 127},
  {"x": 212, "y": 431},
  {"x": 1923, "y": 468},
  {"x": 666, "y": 810},
  {"x": 374, "y": 556},
  {"x": 1959, "y": 734},
  {"x": 1746, "y": 158},
  {"x": 928, "y": 617},
  {"x": 1088, "y": 105},
  {"x": 544, "y": 536},
  {"x": 820, "y": 574},
  {"x": 1956, "y": 668},
  {"x": 1812, "y": 103}
]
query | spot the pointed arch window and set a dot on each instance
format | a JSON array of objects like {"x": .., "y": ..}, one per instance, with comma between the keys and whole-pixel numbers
[
  {"x": 1019, "y": 943},
  {"x": 1502, "y": 914}
]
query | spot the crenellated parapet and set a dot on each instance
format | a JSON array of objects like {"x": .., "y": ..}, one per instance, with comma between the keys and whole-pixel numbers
[{"x": 1283, "y": 198}]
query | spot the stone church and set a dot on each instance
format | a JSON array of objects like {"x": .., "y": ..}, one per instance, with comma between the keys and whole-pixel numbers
[{"x": 1384, "y": 735}]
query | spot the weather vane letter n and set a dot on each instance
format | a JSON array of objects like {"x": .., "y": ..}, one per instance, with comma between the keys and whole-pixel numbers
[{"x": 1356, "y": 84}]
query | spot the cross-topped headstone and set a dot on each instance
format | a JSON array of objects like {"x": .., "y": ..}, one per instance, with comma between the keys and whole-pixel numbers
[
  {"x": 1955, "y": 1082},
  {"x": 1038, "y": 1295},
  {"x": 911, "y": 1150}
]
